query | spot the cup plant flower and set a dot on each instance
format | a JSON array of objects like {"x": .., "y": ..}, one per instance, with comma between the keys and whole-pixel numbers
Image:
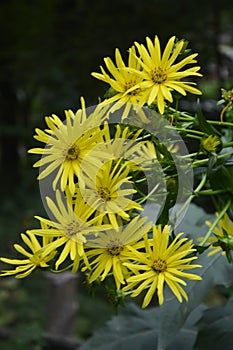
[{"x": 105, "y": 172}]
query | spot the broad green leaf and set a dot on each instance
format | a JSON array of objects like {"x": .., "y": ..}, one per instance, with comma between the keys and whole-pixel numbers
[
  {"x": 216, "y": 328},
  {"x": 162, "y": 327},
  {"x": 170, "y": 326},
  {"x": 135, "y": 329},
  {"x": 193, "y": 224},
  {"x": 221, "y": 177},
  {"x": 215, "y": 271}
]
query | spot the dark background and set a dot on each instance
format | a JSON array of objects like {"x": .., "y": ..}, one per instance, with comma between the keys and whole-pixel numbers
[{"x": 48, "y": 49}]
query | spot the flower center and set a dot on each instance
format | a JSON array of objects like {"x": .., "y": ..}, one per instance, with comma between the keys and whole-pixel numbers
[
  {"x": 115, "y": 250},
  {"x": 104, "y": 193},
  {"x": 72, "y": 228},
  {"x": 158, "y": 76},
  {"x": 74, "y": 231},
  {"x": 159, "y": 265},
  {"x": 36, "y": 260},
  {"x": 129, "y": 85},
  {"x": 72, "y": 153},
  {"x": 115, "y": 247}
]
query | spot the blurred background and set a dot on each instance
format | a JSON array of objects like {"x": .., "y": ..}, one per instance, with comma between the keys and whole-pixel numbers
[{"x": 48, "y": 49}]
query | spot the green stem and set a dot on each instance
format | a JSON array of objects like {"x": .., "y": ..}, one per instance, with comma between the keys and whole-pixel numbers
[
  {"x": 227, "y": 144},
  {"x": 201, "y": 184},
  {"x": 218, "y": 218},
  {"x": 193, "y": 136},
  {"x": 205, "y": 161},
  {"x": 185, "y": 118},
  {"x": 60, "y": 271},
  {"x": 129, "y": 292},
  {"x": 182, "y": 114},
  {"x": 225, "y": 154},
  {"x": 192, "y": 131},
  {"x": 192, "y": 155},
  {"x": 219, "y": 123},
  {"x": 198, "y": 163},
  {"x": 188, "y": 201},
  {"x": 149, "y": 194},
  {"x": 210, "y": 192}
]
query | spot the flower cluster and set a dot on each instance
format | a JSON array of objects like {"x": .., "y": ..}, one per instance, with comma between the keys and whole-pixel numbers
[
  {"x": 150, "y": 77},
  {"x": 103, "y": 167}
]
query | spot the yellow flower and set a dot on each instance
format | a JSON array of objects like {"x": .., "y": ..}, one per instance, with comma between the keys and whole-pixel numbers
[
  {"x": 68, "y": 143},
  {"x": 161, "y": 263},
  {"x": 225, "y": 227},
  {"x": 123, "y": 82},
  {"x": 210, "y": 143},
  {"x": 110, "y": 250},
  {"x": 125, "y": 145},
  {"x": 35, "y": 257},
  {"x": 70, "y": 229},
  {"x": 161, "y": 75},
  {"x": 108, "y": 193}
]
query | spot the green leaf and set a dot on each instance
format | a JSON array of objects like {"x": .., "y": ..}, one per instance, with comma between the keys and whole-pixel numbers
[
  {"x": 216, "y": 328},
  {"x": 193, "y": 224},
  {"x": 215, "y": 271},
  {"x": 135, "y": 329},
  {"x": 171, "y": 326},
  {"x": 202, "y": 122},
  {"x": 162, "y": 327},
  {"x": 221, "y": 176}
]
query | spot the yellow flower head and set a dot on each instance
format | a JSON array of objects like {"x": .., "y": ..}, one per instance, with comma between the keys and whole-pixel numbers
[
  {"x": 161, "y": 263},
  {"x": 125, "y": 145},
  {"x": 211, "y": 143},
  {"x": 110, "y": 249},
  {"x": 161, "y": 75},
  {"x": 72, "y": 224},
  {"x": 68, "y": 144},
  {"x": 225, "y": 227},
  {"x": 35, "y": 257},
  {"x": 109, "y": 193},
  {"x": 123, "y": 82}
]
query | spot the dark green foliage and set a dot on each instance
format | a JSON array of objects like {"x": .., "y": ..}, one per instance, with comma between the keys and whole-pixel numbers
[
  {"x": 168, "y": 326},
  {"x": 203, "y": 124},
  {"x": 216, "y": 328},
  {"x": 220, "y": 175},
  {"x": 173, "y": 325},
  {"x": 21, "y": 314},
  {"x": 48, "y": 50}
]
